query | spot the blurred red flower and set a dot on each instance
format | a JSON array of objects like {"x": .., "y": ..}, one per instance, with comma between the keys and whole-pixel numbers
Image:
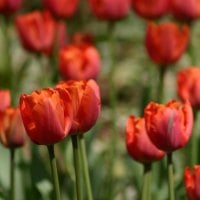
[
  {"x": 138, "y": 144},
  {"x": 47, "y": 115},
  {"x": 150, "y": 9},
  {"x": 12, "y": 132},
  {"x": 86, "y": 104},
  {"x": 188, "y": 85},
  {"x": 187, "y": 11},
  {"x": 61, "y": 8},
  {"x": 166, "y": 42},
  {"x": 79, "y": 62},
  {"x": 192, "y": 181},
  {"x": 169, "y": 126},
  {"x": 8, "y": 7},
  {"x": 110, "y": 9},
  {"x": 37, "y": 31},
  {"x": 5, "y": 100}
]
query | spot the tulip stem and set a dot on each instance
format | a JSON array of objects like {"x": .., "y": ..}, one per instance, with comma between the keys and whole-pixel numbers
[
  {"x": 146, "y": 182},
  {"x": 194, "y": 143},
  {"x": 77, "y": 167},
  {"x": 54, "y": 171},
  {"x": 12, "y": 174},
  {"x": 162, "y": 71},
  {"x": 170, "y": 177},
  {"x": 85, "y": 166}
]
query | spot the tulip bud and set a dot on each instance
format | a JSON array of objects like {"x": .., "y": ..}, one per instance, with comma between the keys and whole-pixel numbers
[
  {"x": 166, "y": 42},
  {"x": 138, "y": 144},
  {"x": 169, "y": 126},
  {"x": 8, "y": 7},
  {"x": 4, "y": 99},
  {"x": 85, "y": 103}
]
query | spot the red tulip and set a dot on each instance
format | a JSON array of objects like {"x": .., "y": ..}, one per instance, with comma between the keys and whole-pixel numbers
[
  {"x": 4, "y": 99},
  {"x": 37, "y": 31},
  {"x": 110, "y": 9},
  {"x": 188, "y": 85},
  {"x": 187, "y": 11},
  {"x": 138, "y": 144},
  {"x": 61, "y": 8},
  {"x": 8, "y": 7},
  {"x": 166, "y": 42},
  {"x": 47, "y": 115},
  {"x": 192, "y": 182},
  {"x": 86, "y": 104},
  {"x": 79, "y": 62},
  {"x": 169, "y": 126},
  {"x": 150, "y": 9},
  {"x": 11, "y": 129}
]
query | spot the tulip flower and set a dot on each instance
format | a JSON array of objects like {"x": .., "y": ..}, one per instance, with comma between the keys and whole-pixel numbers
[
  {"x": 61, "y": 8},
  {"x": 12, "y": 129},
  {"x": 188, "y": 85},
  {"x": 191, "y": 181},
  {"x": 150, "y": 9},
  {"x": 110, "y": 9},
  {"x": 166, "y": 42},
  {"x": 37, "y": 31},
  {"x": 85, "y": 103},
  {"x": 187, "y": 11},
  {"x": 47, "y": 115},
  {"x": 169, "y": 126},
  {"x": 79, "y": 62},
  {"x": 8, "y": 7},
  {"x": 4, "y": 99},
  {"x": 138, "y": 144}
]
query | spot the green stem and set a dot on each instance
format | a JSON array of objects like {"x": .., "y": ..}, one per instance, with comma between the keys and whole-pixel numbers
[
  {"x": 162, "y": 71},
  {"x": 146, "y": 182},
  {"x": 12, "y": 174},
  {"x": 77, "y": 167},
  {"x": 194, "y": 143},
  {"x": 85, "y": 166},
  {"x": 170, "y": 177},
  {"x": 54, "y": 171}
]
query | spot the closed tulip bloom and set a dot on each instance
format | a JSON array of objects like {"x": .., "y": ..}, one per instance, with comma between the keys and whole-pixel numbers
[
  {"x": 4, "y": 99},
  {"x": 188, "y": 85},
  {"x": 166, "y": 42},
  {"x": 169, "y": 126},
  {"x": 8, "y": 7},
  {"x": 192, "y": 182},
  {"x": 187, "y": 11},
  {"x": 12, "y": 133},
  {"x": 110, "y": 9},
  {"x": 61, "y": 8},
  {"x": 47, "y": 115},
  {"x": 138, "y": 144},
  {"x": 150, "y": 9},
  {"x": 79, "y": 62},
  {"x": 86, "y": 104},
  {"x": 37, "y": 31}
]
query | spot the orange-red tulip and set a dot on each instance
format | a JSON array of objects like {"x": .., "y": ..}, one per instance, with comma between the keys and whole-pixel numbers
[
  {"x": 166, "y": 42},
  {"x": 12, "y": 130},
  {"x": 150, "y": 8},
  {"x": 169, "y": 126},
  {"x": 4, "y": 99},
  {"x": 187, "y": 11},
  {"x": 47, "y": 115},
  {"x": 37, "y": 31},
  {"x": 79, "y": 62},
  {"x": 86, "y": 104},
  {"x": 188, "y": 85},
  {"x": 8, "y": 7},
  {"x": 110, "y": 9},
  {"x": 138, "y": 144},
  {"x": 192, "y": 182},
  {"x": 61, "y": 8}
]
